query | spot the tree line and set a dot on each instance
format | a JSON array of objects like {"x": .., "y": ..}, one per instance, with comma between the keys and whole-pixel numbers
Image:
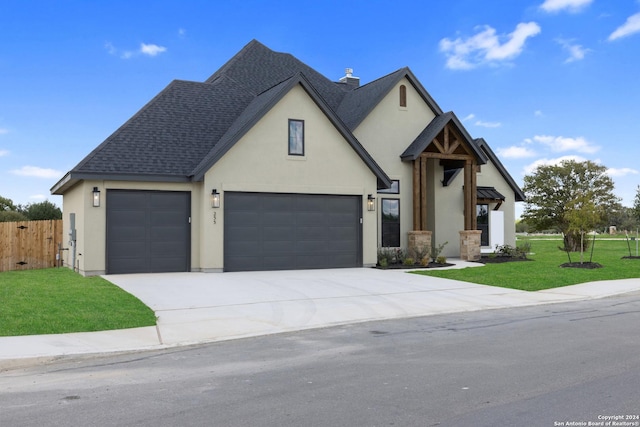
[
  {"x": 575, "y": 198},
  {"x": 30, "y": 212}
]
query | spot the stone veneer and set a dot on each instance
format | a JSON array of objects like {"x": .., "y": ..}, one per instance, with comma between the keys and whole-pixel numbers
[
  {"x": 419, "y": 239},
  {"x": 470, "y": 245}
]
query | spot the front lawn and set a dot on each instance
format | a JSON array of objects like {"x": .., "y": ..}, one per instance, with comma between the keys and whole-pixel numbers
[
  {"x": 57, "y": 300},
  {"x": 544, "y": 272}
]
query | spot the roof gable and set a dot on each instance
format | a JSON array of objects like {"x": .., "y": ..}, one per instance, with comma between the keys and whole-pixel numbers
[
  {"x": 261, "y": 105},
  {"x": 358, "y": 103},
  {"x": 433, "y": 129}
]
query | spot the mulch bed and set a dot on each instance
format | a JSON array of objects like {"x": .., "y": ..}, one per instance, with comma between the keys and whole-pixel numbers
[
  {"x": 500, "y": 259},
  {"x": 412, "y": 267},
  {"x": 588, "y": 265}
]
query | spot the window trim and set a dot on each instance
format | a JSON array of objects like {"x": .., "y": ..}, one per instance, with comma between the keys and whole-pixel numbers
[
  {"x": 382, "y": 222},
  {"x": 391, "y": 190},
  {"x": 486, "y": 226},
  {"x": 403, "y": 96},
  {"x": 290, "y": 136}
]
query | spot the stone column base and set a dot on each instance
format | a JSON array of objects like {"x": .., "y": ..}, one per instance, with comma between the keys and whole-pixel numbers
[
  {"x": 420, "y": 242},
  {"x": 470, "y": 245}
]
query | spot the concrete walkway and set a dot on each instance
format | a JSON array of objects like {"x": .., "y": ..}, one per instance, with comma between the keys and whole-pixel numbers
[{"x": 207, "y": 307}]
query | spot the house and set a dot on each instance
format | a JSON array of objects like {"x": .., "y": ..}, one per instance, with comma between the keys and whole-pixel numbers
[{"x": 270, "y": 165}]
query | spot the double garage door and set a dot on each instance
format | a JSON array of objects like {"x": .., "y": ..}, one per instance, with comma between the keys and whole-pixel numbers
[
  {"x": 149, "y": 231},
  {"x": 264, "y": 231}
]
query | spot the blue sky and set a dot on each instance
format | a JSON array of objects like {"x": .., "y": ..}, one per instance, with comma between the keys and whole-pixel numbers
[{"x": 540, "y": 80}]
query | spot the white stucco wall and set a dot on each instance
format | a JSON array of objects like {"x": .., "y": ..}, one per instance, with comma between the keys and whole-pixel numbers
[
  {"x": 259, "y": 162},
  {"x": 386, "y": 132}
]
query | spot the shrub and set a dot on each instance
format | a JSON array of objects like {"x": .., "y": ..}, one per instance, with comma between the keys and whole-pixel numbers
[
  {"x": 436, "y": 250},
  {"x": 421, "y": 253},
  {"x": 385, "y": 255},
  {"x": 408, "y": 261},
  {"x": 441, "y": 260}
]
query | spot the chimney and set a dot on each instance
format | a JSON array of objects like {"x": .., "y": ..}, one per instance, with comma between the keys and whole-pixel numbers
[{"x": 349, "y": 80}]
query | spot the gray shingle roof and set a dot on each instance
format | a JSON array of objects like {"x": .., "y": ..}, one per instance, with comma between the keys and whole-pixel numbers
[{"x": 188, "y": 126}]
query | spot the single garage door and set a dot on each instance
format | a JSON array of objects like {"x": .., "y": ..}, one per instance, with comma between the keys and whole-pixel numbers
[
  {"x": 148, "y": 231},
  {"x": 264, "y": 231}
]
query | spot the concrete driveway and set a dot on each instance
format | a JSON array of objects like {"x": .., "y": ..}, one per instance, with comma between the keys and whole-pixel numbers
[
  {"x": 200, "y": 307},
  {"x": 207, "y": 307}
]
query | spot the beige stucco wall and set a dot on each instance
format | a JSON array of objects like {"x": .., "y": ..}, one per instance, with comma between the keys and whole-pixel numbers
[
  {"x": 385, "y": 134},
  {"x": 259, "y": 162},
  {"x": 445, "y": 209},
  {"x": 91, "y": 221}
]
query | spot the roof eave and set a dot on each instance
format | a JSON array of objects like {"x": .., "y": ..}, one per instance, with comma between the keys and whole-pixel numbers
[{"x": 74, "y": 177}]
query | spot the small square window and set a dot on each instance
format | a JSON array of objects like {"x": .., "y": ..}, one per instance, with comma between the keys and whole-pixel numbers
[
  {"x": 394, "y": 189},
  {"x": 296, "y": 137}
]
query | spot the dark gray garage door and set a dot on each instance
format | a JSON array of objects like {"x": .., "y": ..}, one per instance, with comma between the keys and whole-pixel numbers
[
  {"x": 147, "y": 231},
  {"x": 291, "y": 231}
]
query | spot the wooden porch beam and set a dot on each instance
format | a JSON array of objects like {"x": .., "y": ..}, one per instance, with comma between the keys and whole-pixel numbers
[
  {"x": 464, "y": 157},
  {"x": 416, "y": 194},
  {"x": 423, "y": 193}
]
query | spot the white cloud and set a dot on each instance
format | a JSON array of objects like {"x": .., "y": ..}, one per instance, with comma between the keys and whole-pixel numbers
[
  {"x": 37, "y": 172},
  {"x": 151, "y": 49},
  {"x": 561, "y": 143},
  {"x": 182, "y": 32},
  {"x": 515, "y": 152},
  {"x": 576, "y": 51},
  {"x": 570, "y": 5},
  {"x": 488, "y": 124},
  {"x": 621, "y": 171},
  {"x": 546, "y": 162},
  {"x": 145, "y": 49},
  {"x": 110, "y": 48},
  {"x": 4, "y": 153},
  {"x": 631, "y": 26},
  {"x": 38, "y": 197},
  {"x": 486, "y": 47},
  {"x": 538, "y": 113},
  {"x": 4, "y": 131},
  {"x": 469, "y": 117}
]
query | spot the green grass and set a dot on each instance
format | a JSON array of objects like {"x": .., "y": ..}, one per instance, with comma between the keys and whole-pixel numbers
[
  {"x": 53, "y": 301},
  {"x": 544, "y": 272}
]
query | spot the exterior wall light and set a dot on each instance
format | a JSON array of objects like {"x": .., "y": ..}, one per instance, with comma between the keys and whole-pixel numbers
[
  {"x": 215, "y": 198},
  {"x": 96, "y": 197},
  {"x": 371, "y": 203}
]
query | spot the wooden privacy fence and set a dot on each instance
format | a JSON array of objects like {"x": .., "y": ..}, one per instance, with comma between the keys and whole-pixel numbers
[{"x": 27, "y": 245}]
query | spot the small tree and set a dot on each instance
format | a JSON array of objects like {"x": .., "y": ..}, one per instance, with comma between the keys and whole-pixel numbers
[
  {"x": 636, "y": 206},
  {"x": 554, "y": 190},
  {"x": 582, "y": 216}
]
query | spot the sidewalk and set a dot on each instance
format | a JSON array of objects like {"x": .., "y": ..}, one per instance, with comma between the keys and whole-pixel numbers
[{"x": 206, "y": 307}]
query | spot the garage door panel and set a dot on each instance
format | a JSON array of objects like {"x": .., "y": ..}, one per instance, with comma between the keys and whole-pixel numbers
[
  {"x": 275, "y": 218},
  {"x": 241, "y": 218},
  {"x": 276, "y": 203},
  {"x": 271, "y": 233},
  {"x": 312, "y": 233},
  {"x": 127, "y": 217},
  {"x": 147, "y": 231},
  {"x": 162, "y": 218},
  {"x": 311, "y": 218}
]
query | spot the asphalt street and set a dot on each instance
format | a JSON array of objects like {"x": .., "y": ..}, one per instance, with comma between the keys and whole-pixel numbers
[{"x": 544, "y": 365}]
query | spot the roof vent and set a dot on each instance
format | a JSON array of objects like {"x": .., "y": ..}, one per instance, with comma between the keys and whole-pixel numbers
[{"x": 350, "y": 81}]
